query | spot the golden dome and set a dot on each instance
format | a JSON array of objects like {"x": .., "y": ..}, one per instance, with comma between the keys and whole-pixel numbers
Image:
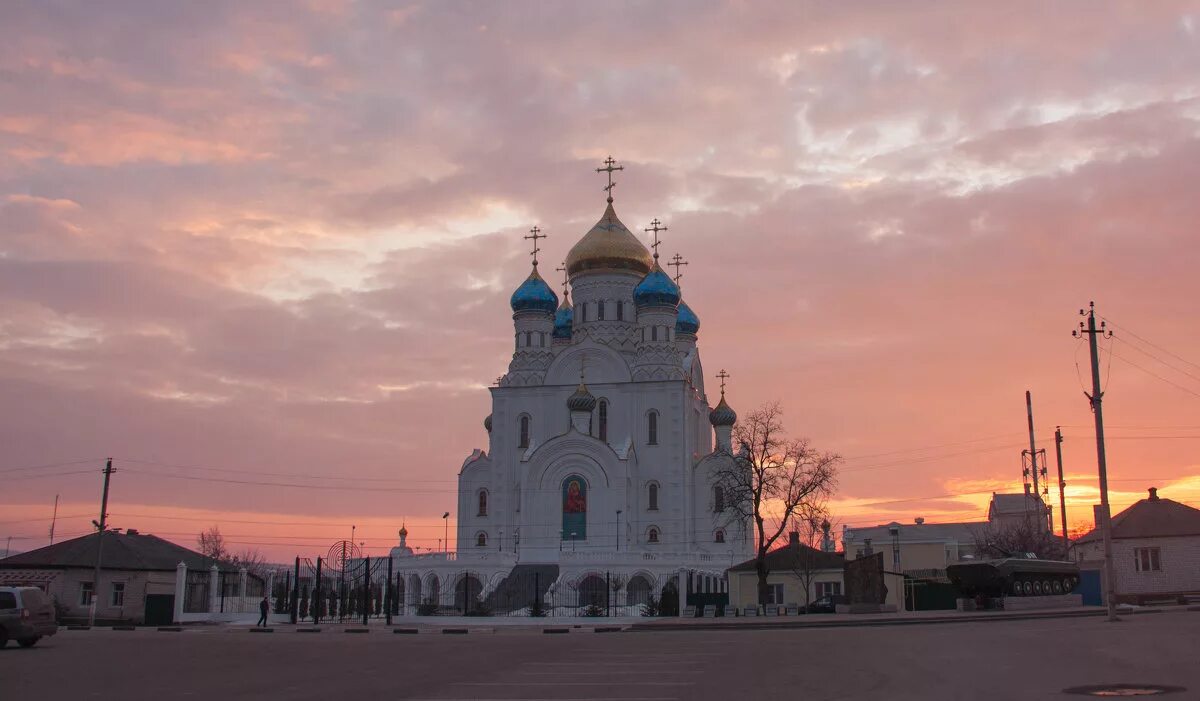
[{"x": 609, "y": 245}]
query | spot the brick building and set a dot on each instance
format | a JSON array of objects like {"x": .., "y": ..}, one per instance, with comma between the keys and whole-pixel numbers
[{"x": 1156, "y": 550}]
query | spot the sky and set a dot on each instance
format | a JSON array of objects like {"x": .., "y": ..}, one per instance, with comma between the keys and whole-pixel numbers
[{"x": 260, "y": 254}]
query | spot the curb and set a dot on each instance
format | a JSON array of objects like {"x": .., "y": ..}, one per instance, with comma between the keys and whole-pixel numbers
[
  {"x": 405, "y": 631},
  {"x": 123, "y": 628},
  {"x": 308, "y": 630},
  {"x": 357, "y": 630},
  {"x": 554, "y": 631},
  {"x": 170, "y": 629},
  {"x": 454, "y": 631},
  {"x": 652, "y": 627},
  {"x": 262, "y": 630},
  {"x": 608, "y": 629},
  {"x": 79, "y": 627}
]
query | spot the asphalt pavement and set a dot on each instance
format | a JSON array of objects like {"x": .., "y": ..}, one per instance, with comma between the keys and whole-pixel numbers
[{"x": 1027, "y": 659}]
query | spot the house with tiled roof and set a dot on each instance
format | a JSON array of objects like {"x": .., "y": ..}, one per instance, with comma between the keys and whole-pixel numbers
[
  {"x": 798, "y": 574},
  {"x": 1156, "y": 550},
  {"x": 138, "y": 577}
]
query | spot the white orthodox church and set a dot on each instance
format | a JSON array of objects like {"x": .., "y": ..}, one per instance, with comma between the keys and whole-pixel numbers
[{"x": 601, "y": 452}]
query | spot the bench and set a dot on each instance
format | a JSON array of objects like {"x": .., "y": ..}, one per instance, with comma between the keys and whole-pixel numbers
[
  {"x": 710, "y": 611},
  {"x": 689, "y": 611},
  {"x": 750, "y": 611},
  {"x": 730, "y": 611},
  {"x": 772, "y": 610}
]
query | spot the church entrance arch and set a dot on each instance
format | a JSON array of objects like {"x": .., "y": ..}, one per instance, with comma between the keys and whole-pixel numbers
[
  {"x": 637, "y": 592},
  {"x": 414, "y": 586},
  {"x": 433, "y": 591},
  {"x": 466, "y": 593},
  {"x": 593, "y": 591}
]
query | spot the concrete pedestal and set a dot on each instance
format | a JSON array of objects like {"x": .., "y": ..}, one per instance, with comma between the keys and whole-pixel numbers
[{"x": 1034, "y": 603}]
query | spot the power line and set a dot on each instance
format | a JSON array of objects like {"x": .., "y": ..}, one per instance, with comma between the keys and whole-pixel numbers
[
  {"x": 1150, "y": 372},
  {"x": 49, "y": 465},
  {"x": 1150, "y": 343}
]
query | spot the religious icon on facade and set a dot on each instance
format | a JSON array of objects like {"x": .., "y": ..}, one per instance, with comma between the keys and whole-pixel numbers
[{"x": 574, "y": 509}]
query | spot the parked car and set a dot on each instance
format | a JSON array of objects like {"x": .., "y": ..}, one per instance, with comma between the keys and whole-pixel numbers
[
  {"x": 823, "y": 605},
  {"x": 26, "y": 615}
]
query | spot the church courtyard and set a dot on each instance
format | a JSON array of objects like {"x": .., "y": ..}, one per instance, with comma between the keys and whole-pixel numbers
[{"x": 993, "y": 660}]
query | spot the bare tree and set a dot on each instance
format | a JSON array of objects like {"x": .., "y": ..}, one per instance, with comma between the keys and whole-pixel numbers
[
  {"x": 810, "y": 527},
  {"x": 773, "y": 480},
  {"x": 212, "y": 544},
  {"x": 1016, "y": 537}
]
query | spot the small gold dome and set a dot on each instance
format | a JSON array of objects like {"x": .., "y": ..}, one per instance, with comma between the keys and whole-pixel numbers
[{"x": 609, "y": 245}]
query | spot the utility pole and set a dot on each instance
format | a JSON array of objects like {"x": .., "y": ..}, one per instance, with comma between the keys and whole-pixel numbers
[
  {"x": 1062, "y": 489},
  {"x": 1040, "y": 482},
  {"x": 100, "y": 526},
  {"x": 54, "y": 519},
  {"x": 1103, "y": 515},
  {"x": 1032, "y": 447}
]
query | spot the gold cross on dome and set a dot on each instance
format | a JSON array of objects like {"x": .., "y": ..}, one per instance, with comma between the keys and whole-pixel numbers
[
  {"x": 535, "y": 234},
  {"x": 724, "y": 376},
  {"x": 609, "y": 167},
  {"x": 655, "y": 226},
  {"x": 677, "y": 261}
]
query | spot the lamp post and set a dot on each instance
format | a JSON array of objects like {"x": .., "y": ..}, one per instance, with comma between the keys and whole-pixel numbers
[
  {"x": 446, "y": 529},
  {"x": 618, "y": 530}
]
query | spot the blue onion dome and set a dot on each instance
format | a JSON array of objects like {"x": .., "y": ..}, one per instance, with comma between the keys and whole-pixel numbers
[
  {"x": 582, "y": 400},
  {"x": 534, "y": 295},
  {"x": 656, "y": 290},
  {"x": 722, "y": 415},
  {"x": 487, "y": 423},
  {"x": 563, "y": 319},
  {"x": 609, "y": 245},
  {"x": 687, "y": 322}
]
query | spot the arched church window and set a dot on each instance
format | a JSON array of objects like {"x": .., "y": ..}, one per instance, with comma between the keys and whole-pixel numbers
[
  {"x": 602, "y": 410},
  {"x": 653, "y": 333},
  {"x": 523, "y": 437},
  {"x": 481, "y": 540},
  {"x": 528, "y": 339},
  {"x": 652, "y": 496},
  {"x": 719, "y": 536},
  {"x": 620, "y": 310},
  {"x": 652, "y": 428},
  {"x": 600, "y": 310},
  {"x": 652, "y": 535},
  {"x": 718, "y": 498},
  {"x": 483, "y": 502},
  {"x": 583, "y": 308}
]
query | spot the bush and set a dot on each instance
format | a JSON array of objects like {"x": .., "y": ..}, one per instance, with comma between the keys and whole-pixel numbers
[
  {"x": 593, "y": 611},
  {"x": 304, "y": 607},
  {"x": 651, "y": 607},
  {"x": 537, "y": 609},
  {"x": 480, "y": 609},
  {"x": 427, "y": 608}
]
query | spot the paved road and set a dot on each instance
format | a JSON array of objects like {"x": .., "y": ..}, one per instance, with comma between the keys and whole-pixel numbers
[{"x": 998, "y": 660}]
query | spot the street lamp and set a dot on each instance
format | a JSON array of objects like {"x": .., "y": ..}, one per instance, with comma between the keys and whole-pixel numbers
[
  {"x": 446, "y": 529},
  {"x": 618, "y": 530}
]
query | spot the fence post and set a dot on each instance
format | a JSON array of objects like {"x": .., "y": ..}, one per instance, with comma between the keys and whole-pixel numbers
[
  {"x": 366, "y": 588},
  {"x": 387, "y": 595},
  {"x": 295, "y": 612},
  {"x": 318, "y": 602},
  {"x": 536, "y": 585},
  {"x": 180, "y": 591},
  {"x": 607, "y": 596}
]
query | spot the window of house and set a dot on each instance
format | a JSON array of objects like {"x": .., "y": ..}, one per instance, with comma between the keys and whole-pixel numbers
[
  {"x": 1146, "y": 560},
  {"x": 652, "y": 497},
  {"x": 652, "y": 428},
  {"x": 117, "y": 597},
  {"x": 652, "y": 535},
  {"x": 775, "y": 594},
  {"x": 600, "y": 310},
  {"x": 481, "y": 540},
  {"x": 85, "y": 593},
  {"x": 828, "y": 589},
  {"x": 719, "y": 536},
  {"x": 603, "y": 410},
  {"x": 523, "y": 438},
  {"x": 718, "y": 498},
  {"x": 483, "y": 497}
]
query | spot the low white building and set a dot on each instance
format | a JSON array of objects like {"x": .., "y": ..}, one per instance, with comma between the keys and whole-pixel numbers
[{"x": 1156, "y": 550}]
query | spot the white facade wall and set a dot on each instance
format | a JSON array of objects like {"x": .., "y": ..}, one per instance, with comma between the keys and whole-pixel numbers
[{"x": 1179, "y": 559}]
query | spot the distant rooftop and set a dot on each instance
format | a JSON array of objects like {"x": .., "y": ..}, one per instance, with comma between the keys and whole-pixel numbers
[
  {"x": 122, "y": 551},
  {"x": 1152, "y": 517}
]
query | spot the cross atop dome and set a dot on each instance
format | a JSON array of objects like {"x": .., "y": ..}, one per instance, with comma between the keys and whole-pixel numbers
[
  {"x": 609, "y": 167},
  {"x": 724, "y": 376},
  {"x": 655, "y": 227},
  {"x": 535, "y": 233},
  {"x": 677, "y": 261}
]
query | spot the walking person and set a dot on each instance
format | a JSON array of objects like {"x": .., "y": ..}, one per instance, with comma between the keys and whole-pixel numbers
[{"x": 264, "y": 607}]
